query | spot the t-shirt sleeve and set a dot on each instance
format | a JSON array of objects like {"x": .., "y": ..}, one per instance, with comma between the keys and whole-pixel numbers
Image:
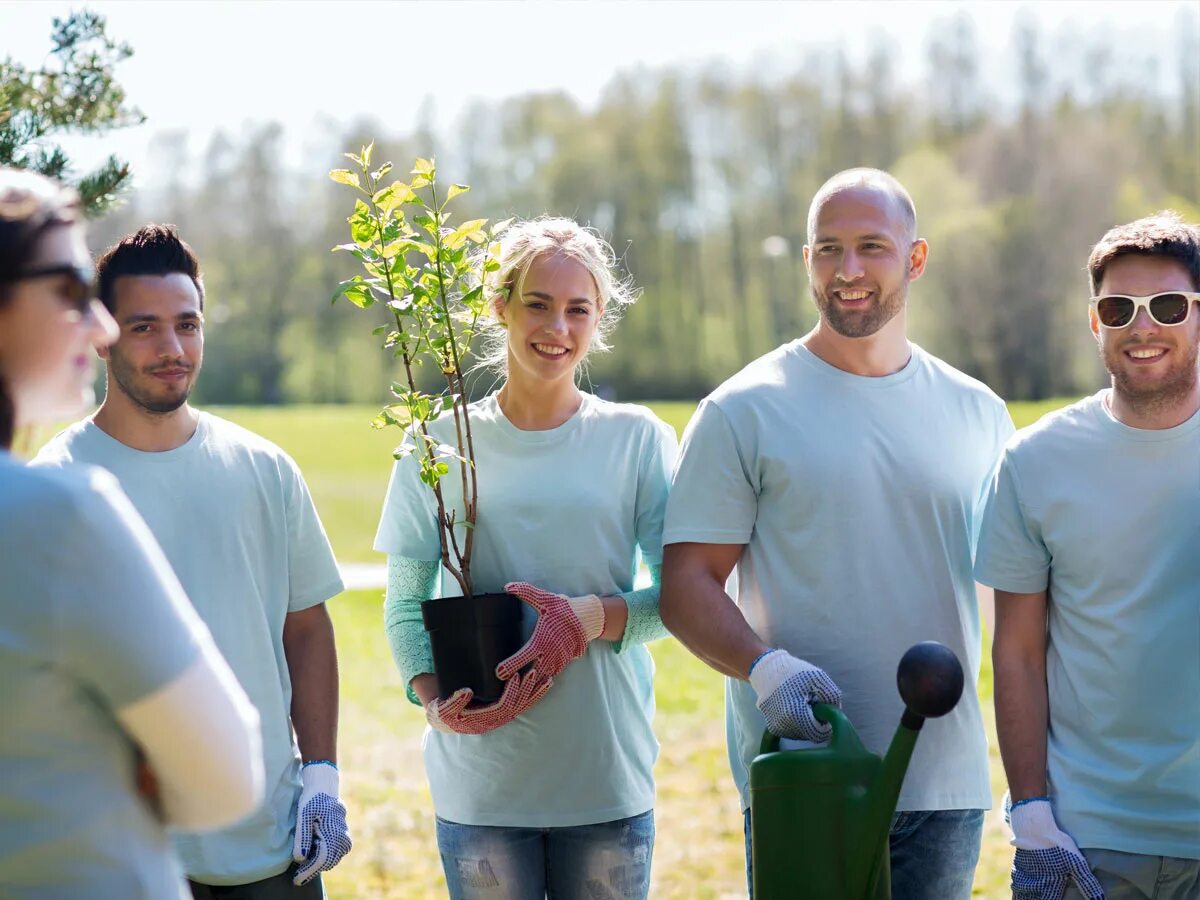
[
  {"x": 1001, "y": 434},
  {"x": 122, "y": 623},
  {"x": 713, "y": 499},
  {"x": 654, "y": 482},
  {"x": 1012, "y": 556},
  {"x": 408, "y": 524},
  {"x": 313, "y": 575}
]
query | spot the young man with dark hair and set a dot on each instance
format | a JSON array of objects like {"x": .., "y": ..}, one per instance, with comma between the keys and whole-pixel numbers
[
  {"x": 843, "y": 474},
  {"x": 1092, "y": 541},
  {"x": 237, "y": 524}
]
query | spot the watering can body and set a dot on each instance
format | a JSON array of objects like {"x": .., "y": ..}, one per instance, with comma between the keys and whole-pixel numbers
[
  {"x": 814, "y": 819},
  {"x": 820, "y": 817}
]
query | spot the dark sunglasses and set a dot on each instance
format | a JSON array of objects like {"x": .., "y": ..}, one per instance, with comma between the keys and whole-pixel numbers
[
  {"x": 1167, "y": 308},
  {"x": 80, "y": 277}
]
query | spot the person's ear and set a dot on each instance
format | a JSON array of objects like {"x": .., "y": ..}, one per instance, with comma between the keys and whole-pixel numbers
[
  {"x": 917, "y": 258},
  {"x": 1094, "y": 322}
]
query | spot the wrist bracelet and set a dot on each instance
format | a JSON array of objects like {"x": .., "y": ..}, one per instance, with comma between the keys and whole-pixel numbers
[
  {"x": 325, "y": 762},
  {"x": 1013, "y": 806},
  {"x": 758, "y": 659}
]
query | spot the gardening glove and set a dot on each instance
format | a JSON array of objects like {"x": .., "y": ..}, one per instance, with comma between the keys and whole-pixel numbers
[
  {"x": 520, "y": 693},
  {"x": 1046, "y": 856},
  {"x": 564, "y": 627},
  {"x": 322, "y": 838},
  {"x": 787, "y": 688}
]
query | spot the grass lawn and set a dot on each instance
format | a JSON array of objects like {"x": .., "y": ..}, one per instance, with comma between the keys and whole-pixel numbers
[{"x": 699, "y": 848}]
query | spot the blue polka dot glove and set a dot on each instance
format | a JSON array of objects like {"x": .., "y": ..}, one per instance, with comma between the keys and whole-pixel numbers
[
  {"x": 1046, "y": 856},
  {"x": 322, "y": 838},
  {"x": 787, "y": 688}
]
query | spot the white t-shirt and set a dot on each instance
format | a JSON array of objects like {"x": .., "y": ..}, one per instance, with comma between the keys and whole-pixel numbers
[
  {"x": 91, "y": 620},
  {"x": 235, "y": 519},
  {"x": 567, "y": 510},
  {"x": 1107, "y": 517},
  {"x": 858, "y": 500}
]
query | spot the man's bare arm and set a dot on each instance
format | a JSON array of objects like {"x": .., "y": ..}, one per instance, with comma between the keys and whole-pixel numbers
[
  {"x": 1022, "y": 707},
  {"x": 311, "y": 655},
  {"x": 696, "y": 609}
]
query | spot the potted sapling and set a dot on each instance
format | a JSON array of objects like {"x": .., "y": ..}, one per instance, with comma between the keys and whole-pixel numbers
[{"x": 429, "y": 275}]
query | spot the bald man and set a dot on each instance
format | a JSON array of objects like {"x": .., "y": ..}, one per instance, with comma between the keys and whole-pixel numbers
[{"x": 843, "y": 475}]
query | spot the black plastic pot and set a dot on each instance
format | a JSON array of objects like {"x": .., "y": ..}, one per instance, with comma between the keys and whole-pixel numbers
[{"x": 470, "y": 636}]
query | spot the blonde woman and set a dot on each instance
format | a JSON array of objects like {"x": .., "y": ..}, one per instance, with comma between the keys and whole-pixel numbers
[{"x": 549, "y": 791}]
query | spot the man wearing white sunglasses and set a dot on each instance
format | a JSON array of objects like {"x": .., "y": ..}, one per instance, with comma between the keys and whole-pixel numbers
[{"x": 1092, "y": 541}]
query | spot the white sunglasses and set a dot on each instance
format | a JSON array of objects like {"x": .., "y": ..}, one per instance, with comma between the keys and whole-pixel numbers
[{"x": 1167, "y": 308}]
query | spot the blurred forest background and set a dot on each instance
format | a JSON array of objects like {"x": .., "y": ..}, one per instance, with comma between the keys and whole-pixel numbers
[{"x": 701, "y": 177}]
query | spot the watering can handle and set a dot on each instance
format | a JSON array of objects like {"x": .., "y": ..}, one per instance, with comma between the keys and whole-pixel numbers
[{"x": 824, "y": 713}]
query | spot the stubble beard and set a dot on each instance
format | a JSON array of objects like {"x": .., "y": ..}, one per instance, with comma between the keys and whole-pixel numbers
[
  {"x": 1163, "y": 394},
  {"x": 125, "y": 374},
  {"x": 864, "y": 323}
]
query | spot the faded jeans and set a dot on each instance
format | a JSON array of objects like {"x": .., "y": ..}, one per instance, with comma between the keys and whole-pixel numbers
[
  {"x": 934, "y": 854},
  {"x": 610, "y": 859}
]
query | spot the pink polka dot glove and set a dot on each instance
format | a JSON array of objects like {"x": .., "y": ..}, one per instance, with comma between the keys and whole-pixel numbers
[
  {"x": 520, "y": 693},
  {"x": 564, "y": 628}
]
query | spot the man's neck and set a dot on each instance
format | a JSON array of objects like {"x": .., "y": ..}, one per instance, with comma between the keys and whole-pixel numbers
[
  {"x": 885, "y": 352},
  {"x": 1155, "y": 414},
  {"x": 124, "y": 421},
  {"x": 538, "y": 406}
]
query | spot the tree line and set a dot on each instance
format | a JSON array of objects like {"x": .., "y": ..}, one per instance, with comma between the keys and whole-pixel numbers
[{"x": 701, "y": 179}]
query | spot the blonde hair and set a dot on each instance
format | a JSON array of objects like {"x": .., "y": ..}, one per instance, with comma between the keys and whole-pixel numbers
[{"x": 521, "y": 244}]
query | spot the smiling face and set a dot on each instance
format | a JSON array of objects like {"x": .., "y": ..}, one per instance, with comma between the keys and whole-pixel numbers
[
  {"x": 155, "y": 362},
  {"x": 862, "y": 257},
  {"x": 1152, "y": 366},
  {"x": 551, "y": 317},
  {"x": 48, "y": 327}
]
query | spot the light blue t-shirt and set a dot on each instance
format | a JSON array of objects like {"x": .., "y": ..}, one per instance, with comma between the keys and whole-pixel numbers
[
  {"x": 235, "y": 520},
  {"x": 1107, "y": 517},
  {"x": 91, "y": 620},
  {"x": 858, "y": 500},
  {"x": 567, "y": 510}
]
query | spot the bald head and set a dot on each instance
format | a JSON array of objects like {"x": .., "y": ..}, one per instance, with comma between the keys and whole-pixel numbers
[{"x": 890, "y": 191}]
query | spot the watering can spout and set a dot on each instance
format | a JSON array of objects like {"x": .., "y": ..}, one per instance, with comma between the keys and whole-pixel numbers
[{"x": 930, "y": 679}]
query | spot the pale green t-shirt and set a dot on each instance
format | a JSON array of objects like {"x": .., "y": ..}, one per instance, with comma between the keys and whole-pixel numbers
[
  {"x": 568, "y": 510},
  {"x": 91, "y": 620},
  {"x": 1107, "y": 517},
  {"x": 858, "y": 501},
  {"x": 235, "y": 519}
]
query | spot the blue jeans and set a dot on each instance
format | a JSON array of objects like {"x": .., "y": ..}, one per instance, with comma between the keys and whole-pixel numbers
[
  {"x": 610, "y": 859},
  {"x": 933, "y": 854}
]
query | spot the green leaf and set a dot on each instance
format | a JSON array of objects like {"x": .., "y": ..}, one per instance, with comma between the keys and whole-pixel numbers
[
  {"x": 500, "y": 226},
  {"x": 424, "y": 167},
  {"x": 455, "y": 190},
  {"x": 381, "y": 171},
  {"x": 366, "y": 154},
  {"x": 345, "y": 176}
]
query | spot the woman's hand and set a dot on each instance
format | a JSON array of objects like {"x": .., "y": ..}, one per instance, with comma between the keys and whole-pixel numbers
[
  {"x": 564, "y": 628},
  {"x": 521, "y": 693}
]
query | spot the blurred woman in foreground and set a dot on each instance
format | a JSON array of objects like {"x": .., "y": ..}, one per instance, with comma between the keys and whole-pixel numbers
[{"x": 102, "y": 658}]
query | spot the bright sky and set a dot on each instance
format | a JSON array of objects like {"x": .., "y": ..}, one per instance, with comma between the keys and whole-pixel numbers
[{"x": 204, "y": 66}]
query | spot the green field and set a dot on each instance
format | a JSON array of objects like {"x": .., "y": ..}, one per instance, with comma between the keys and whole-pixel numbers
[{"x": 699, "y": 848}]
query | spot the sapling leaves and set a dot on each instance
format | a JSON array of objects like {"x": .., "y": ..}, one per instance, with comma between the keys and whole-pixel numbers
[{"x": 428, "y": 274}]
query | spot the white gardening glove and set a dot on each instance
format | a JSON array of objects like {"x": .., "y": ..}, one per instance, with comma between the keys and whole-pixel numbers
[
  {"x": 322, "y": 838},
  {"x": 787, "y": 688},
  {"x": 1046, "y": 855}
]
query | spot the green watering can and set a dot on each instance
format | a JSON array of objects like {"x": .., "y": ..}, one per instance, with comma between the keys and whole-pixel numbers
[{"x": 820, "y": 817}]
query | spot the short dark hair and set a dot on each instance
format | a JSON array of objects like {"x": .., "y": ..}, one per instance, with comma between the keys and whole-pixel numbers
[
  {"x": 1162, "y": 234},
  {"x": 151, "y": 250}
]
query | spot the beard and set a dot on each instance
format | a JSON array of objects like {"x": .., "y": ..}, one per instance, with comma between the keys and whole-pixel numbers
[
  {"x": 860, "y": 323},
  {"x": 127, "y": 376},
  {"x": 1150, "y": 397}
]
